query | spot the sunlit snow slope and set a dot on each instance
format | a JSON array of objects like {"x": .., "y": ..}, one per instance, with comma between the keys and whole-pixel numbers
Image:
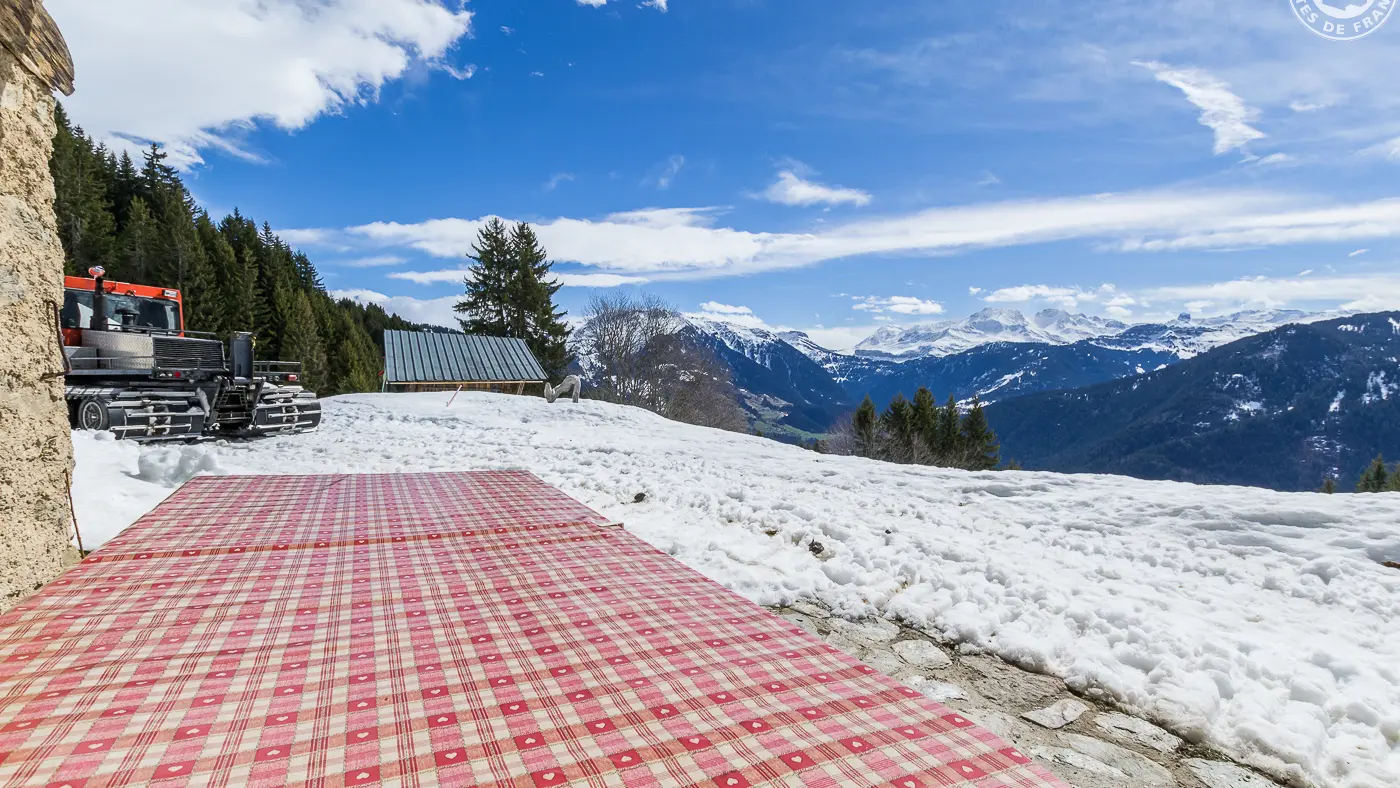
[{"x": 1262, "y": 623}]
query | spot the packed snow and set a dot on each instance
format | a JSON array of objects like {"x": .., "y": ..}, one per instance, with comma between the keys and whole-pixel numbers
[{"x": 1261, "y": 623}]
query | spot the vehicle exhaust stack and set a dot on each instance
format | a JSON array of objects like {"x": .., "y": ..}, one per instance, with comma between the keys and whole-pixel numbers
[{"x": 99, "y": 299}]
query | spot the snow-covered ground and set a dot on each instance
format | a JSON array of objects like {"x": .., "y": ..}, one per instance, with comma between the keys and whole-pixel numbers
[{"x": 1261, "y": 623}]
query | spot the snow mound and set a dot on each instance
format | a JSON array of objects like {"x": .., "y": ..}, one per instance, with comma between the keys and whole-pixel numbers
[
  {"x": 1260, "y": 623},
  {"x": 173, "y": 466}
]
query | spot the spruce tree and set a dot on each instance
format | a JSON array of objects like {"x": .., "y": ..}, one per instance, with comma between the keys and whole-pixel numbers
[
  {"x": 1375, "y": 478},
  {"x": 898, "y": 424},
  {"x": 925, "y": 420},
  {"x": 530, "y": 303},
  {"x": 1329, "y": 485},
  {"x": 301, "y": 340},
  {"x": 864, "y": 425},
  {"x": 981, "y": 451},
  {"x": 86, "y": 226},
  {"x": 488, "y": 282},
  {"x": 1394, "y": 484},
  {"x": 947, "y": 442},
  {"x": 137, "y": 247}
]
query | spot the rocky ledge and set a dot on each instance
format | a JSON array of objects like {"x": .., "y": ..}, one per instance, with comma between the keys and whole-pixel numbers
[{"x": 1086, "y": 743}]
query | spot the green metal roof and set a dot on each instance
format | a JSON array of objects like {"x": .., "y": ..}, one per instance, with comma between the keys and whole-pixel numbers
[{"x": 424, "y": 357}]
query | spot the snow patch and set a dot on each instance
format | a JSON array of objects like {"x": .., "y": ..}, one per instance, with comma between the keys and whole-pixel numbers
[
  {"x": 1377, "y": 390},
  {"x": 1259, "y": 623}
]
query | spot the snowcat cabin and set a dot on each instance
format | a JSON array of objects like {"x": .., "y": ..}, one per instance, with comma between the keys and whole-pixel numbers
[{"x": 128, "y": 307}]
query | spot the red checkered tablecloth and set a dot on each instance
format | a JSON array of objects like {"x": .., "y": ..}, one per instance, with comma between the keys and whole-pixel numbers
[{"x": 438, "y": 629}]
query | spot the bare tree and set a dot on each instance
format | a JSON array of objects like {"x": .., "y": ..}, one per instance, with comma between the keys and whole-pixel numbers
[{"x": 635, "y": 351}]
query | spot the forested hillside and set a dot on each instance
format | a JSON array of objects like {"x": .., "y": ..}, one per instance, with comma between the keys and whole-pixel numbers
[
  {"x": 1289, "y": 409},
  {"x": 142, "y": 225}
]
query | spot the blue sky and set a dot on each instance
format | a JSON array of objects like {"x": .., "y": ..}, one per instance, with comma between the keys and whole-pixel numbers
[{"x": 820, "y": 165}]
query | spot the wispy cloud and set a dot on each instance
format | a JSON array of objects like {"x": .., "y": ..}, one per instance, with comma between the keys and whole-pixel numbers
[
  {"x": 376, "y": 261},
  {"x": 458, "y": 275},
  {"x": 1222, "y": 111},
  {"x": 556, "y": 179},
  {"x": 792, "y": 189},
  {"x": 667, "y": 171},
  {"x": 1365, "y": 293},
  {"x": 686, "y": 243},
  {"x": 1358, "y": 252},
  {"x": 900, "y": 305},
  {"x": 594, "y": 3}
]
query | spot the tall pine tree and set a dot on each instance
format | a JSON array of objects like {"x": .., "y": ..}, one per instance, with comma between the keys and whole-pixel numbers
[
  {"x": 980, "y": 449},
  {"x": 865, "y": 424},
  {"x": 530, "y": 299},
  {"x": 488, "y": 282}
]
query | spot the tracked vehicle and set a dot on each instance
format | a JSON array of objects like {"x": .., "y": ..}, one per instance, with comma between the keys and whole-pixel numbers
[{"x": 133, "y": 369}]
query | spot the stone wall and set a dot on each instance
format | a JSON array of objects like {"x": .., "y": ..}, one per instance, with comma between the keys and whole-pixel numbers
[{"x": 36, "y": 453}]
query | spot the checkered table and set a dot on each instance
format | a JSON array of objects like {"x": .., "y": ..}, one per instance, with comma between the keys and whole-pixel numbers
[{"x": 438, "y": 629}]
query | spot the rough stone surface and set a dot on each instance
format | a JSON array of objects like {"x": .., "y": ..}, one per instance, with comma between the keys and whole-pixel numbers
[
  {"x": 1136, "y": 769},
  {"x": 1082, "y": 740},
  {"x": 34, "y": 437},
  {"x": 1058, "y": 714},
  {"x": 863, "y": 633},
  {"x": 1218, "y": 774},
  {"x": 1012, "y": 686},
  {"x": 922, "y": 654},
  {"x": 1136, "y": 731}
]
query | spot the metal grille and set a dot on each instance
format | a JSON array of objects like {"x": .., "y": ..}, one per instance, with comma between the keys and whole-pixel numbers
[{"x": 185, "y": 353}]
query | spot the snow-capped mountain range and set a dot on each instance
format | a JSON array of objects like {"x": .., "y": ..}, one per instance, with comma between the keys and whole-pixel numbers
[
  {"x": 1186, "y": 337},
  {"x": 1051, "y": 327},
  {"x": 789, "y": 380}
]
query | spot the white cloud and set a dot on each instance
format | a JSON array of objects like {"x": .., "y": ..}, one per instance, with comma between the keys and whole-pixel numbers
[
  {"x": 1358, "y": 252},
  {"x": 902, "y": 305},
  {"x": 433, "y": 311},
  {"x": 685, "y": 243},
  {"x": 1274, "y": 158},
  {"x": 974, "y": 290},
  {"x": 308, "y": 236},
  {"x": 1222, "y": 111},
  {"x": 1064, "y": 297},
  {"x": 733, "y": 315},
  {"x": 377, "y": 261},
  {"x": 790, "y": 189},
  {"x": 1389, "y": 149},
  {"x": 599, "y": 280},
  {"x": 1365, "y": 293},
  {"x": 594, "y": 3},
  {"x": 724, "y": 309},
  {"x": 239, "y": 62},
  {"x": 1378, "y": 219},
  {"x": 989, "y": 179},
  {"x": 459, "y": 275},
  {"x": 659, "y": 5},
  {"x": 507, "y": 30},
  {"x": 556, "y": 179}
]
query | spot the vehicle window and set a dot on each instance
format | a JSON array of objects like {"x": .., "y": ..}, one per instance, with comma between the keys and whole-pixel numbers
[{"x": 123, "y": 311}]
